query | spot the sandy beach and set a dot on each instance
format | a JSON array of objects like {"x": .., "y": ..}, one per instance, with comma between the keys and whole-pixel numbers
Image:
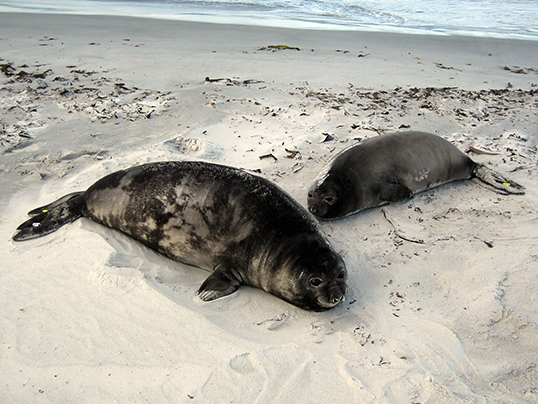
[{"x": 442, "y": 304}]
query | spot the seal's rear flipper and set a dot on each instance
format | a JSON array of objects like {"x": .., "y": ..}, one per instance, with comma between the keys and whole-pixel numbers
[
  {"x": 50, "y": 206},
  {"x": 497, "y": 181},
  {"x": 220, "y": 283},
  {"x": 51, "y": 217}
]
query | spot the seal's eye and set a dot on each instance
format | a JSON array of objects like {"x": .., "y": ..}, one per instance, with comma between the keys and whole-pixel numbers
[
  {"x": 316, "y": 282},
  {"x": 341, "y": 274},
  {"x": 310, "y": 194},
  {"x": 330, "y": 199}
]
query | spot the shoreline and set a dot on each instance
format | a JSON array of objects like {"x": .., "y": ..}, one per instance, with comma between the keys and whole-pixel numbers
[{"x": 308, "y": 22}]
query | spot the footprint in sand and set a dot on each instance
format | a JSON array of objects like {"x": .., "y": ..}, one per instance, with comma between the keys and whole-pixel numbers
[
  {"x": 120, "y": 272},
  {"x": 245, "y": 364},
  {"x": 194, "y": 147}
]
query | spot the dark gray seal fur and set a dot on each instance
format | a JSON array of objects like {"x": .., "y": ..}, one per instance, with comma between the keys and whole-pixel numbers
[
  {"x": 242, "y": 227},
  {"x": 392, "y": 168}
]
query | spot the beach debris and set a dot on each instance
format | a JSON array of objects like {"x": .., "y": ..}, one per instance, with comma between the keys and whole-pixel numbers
[
  {"x": 488, "y": 243},
  {"x": 293, "y": 153},
  {"x": 515, "y": 69},
  {"x": 122, "y": 88},
  {"x": 251, "y": 81},
  {"x": 441, "y": 66},
  {"x": 398, "y": 230},
  {"x": 7, "y": 69},
  {"x": 82, "y": 71},
  {"x": 220, "y": 81},
  {"x": 268, "y": 156},
  {"x": 297, "y": 167},
  {"x": 335, "y": 100},
  {"x": 479, "y": 151},
  {"x": 363, "y": 55},
  {"x": 328, "y": 137},
  {"x": 79, "y": 91},
  {"x": 382, "y": 109},
  {"x": 444, "y": 214},
  {"x": 232, "y": 82},
  {"x": 381, "y": 360},
  {"x": 274, "y": 48},
  {"x": 21, "y": 75},
  {"x": 13, "y": 137}
]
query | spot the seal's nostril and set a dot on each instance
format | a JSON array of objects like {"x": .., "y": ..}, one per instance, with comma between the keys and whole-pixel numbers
[{"x": 337, "y": 299}]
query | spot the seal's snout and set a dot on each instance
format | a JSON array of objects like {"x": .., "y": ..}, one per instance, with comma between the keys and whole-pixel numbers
[
  {"x": 316, "y": 205},
  {"x": 338, "y": 299},
  {"x": 330, "y": 301},
  {"x": 317, "y": 209}
]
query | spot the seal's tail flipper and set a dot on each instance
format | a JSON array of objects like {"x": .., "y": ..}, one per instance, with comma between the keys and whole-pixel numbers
[
  {"x": 501, "y": 184},
  {"x": 51, "y": 217}
]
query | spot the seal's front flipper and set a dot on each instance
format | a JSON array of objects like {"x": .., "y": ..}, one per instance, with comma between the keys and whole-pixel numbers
[
  {"x": 394, "y": 191},
  {"x": 221, "y": 282},
  {"x": 502, "y": 184},
  {"x": 51, "y": 217}
]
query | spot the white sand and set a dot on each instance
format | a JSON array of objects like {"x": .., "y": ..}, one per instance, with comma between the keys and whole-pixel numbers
[{"x": 88, "y": 315}]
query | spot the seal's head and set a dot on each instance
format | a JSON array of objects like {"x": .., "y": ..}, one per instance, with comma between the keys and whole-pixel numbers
[
  {"x": 325, "y": 198},
  {"x": 313, "y": 279}
]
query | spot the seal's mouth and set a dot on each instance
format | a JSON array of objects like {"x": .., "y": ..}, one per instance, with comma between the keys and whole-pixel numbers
[{"x": 330, "y": 302}]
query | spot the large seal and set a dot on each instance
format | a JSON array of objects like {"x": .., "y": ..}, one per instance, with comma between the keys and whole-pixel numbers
[
  {"x": 242, "y": 227},
  {"x": 391, "y": 168}
]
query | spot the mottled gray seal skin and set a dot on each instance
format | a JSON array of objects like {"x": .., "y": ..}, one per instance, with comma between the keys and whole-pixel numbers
[
  {"x": 242, "y": 227},
  {"x": 392, "y": 168}
]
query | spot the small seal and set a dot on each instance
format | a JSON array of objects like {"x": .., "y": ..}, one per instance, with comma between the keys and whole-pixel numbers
[
  {"x": 392, "y": 168},
  {"x": 243, "y": 228}
]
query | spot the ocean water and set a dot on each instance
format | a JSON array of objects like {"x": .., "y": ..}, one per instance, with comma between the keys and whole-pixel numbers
[{"x": 493, "y": 18}]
